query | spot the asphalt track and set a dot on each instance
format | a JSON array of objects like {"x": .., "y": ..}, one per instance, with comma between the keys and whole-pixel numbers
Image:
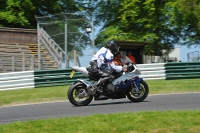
[{"x": 184, "y": 101}]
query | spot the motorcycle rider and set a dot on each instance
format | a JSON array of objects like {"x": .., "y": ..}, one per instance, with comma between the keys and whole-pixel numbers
[{"x": 102, "y": 64}]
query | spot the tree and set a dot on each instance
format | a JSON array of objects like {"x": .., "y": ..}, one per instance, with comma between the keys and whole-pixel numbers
[
  {"x": 146, "y": 20},
  {"x": 20, "y": 13},
  {"x": 186, "y": 15}
]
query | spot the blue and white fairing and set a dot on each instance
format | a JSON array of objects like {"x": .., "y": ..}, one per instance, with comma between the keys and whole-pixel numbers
[{"x": 129, "y": 77}]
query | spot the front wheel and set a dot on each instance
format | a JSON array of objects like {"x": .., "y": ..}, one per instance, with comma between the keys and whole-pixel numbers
[
  {"x": 138, "y": 96},
  {"x": 77, "y": 94}
]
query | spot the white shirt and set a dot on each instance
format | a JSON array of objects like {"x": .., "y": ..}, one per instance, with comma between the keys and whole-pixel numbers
[{"x": 105, "y": 58}]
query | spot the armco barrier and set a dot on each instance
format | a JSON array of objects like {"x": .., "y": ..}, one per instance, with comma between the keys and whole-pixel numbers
[
  {"x": 155, "y": 71},
  {"x": 55, "y": 77},
  {"x": 171, "y": 70},
  {"x": 152, "y": 71},
  {"x": 17, "y": 80},
  {"x": 182, "y": 70}
]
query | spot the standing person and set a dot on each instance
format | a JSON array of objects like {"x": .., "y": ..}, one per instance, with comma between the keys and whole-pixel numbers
[
  {"x": 102, "y": 64},
  {"x": 131, "y": 57},
  {"x": 119, "y": 59}
]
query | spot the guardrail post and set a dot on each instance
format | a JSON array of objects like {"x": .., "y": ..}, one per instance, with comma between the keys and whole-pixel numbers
[
  {"x": 32, "y": 62},
  {"x": 23, "y": 62},
  {"x": 13, "y": 63},
  {"x": 75, "y": 57}
]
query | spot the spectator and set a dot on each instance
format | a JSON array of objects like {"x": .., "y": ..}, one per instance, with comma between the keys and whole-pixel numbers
[
  {"x": 119, "y": 59},
  {"x": 131, "y": 57}
]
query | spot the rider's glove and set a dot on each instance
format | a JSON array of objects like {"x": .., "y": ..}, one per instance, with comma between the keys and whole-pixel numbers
[{"x": 124, "y": 68}]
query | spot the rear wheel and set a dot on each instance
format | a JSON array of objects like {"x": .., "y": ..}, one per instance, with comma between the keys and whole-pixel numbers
[
  {"x": 77, "y": 94},
  {"x": 138, "y": 96}
]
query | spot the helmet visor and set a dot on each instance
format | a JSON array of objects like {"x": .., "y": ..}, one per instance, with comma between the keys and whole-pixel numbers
[{"x": 117, "y": 49}]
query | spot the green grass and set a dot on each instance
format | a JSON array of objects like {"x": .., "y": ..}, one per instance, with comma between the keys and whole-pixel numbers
[
  {"x": 33, "y": 95},
  {"x": 46, "y": 94},
  {"x": 141, "y": 122},
  {"x": 173, "y": 86}
]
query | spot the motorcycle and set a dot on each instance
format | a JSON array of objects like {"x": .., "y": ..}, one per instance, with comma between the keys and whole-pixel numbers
[{"x": 126, "y": 85}]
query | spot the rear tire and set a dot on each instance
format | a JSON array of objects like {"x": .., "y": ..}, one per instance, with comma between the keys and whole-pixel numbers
[
  {"x": 138, "y": 97},
  {"x": 77, "y": 94}
]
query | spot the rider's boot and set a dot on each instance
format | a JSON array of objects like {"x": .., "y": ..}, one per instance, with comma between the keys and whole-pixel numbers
[
  {"x": 100, "y": 95},
  {"x": 93, "y": 89}
]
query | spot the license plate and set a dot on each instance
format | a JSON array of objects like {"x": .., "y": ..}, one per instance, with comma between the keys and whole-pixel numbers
[{"x": 72, "y": 74}]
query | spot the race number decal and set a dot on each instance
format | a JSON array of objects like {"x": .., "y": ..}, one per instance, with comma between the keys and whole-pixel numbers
[{"x": 72, "y": 74}]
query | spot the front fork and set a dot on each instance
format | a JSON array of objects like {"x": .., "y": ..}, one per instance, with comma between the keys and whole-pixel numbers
[{"x": 137, "y": 83}]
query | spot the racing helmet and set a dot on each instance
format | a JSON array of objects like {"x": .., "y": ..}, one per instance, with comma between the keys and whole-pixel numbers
[{"x": 113, "y": 46}]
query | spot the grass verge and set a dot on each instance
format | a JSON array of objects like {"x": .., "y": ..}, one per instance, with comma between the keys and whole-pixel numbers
[
  {"x": 46, "y": 94},
  {"x": 141, "y": 122}
]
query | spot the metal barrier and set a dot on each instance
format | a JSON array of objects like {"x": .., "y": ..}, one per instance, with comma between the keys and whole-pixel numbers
[
  {"x": 152, "y": 71},
  {"x": 55, "y": 77},
  {"x": 182, "y": 70},
  {"x": 43, "y": 78},
  {"x": 16, "y": 80}
]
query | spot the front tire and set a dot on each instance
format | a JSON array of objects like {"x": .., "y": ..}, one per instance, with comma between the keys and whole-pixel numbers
[
  {"x": 77, "y": 94},
  {"x": 138, "y": 97}
]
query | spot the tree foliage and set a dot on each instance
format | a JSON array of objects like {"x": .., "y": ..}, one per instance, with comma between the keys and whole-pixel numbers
[
  {"x": 163, "y": 23},
  {"x": 141, "y": 20},
  {"x": 20, "y": 13},
  {"x": 187, "y": 17}
]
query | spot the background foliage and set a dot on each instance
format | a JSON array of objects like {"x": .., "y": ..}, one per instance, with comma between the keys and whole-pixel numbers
[
  {"x": 163, "y": 23},
  {"x": 20, "y": 13}
]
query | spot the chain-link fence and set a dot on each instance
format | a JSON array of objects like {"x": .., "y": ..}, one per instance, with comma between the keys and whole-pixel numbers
[
  {"x": 193, "y": 56},
  {"x": 68, "y": 30}
]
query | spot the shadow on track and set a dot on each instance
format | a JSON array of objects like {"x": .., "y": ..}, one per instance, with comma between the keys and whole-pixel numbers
[{"x": 110, "y": 103}]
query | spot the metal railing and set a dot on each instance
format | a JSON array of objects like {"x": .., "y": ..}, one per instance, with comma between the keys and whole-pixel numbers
[
  {"x": 16, "y": 62},
  {"x": 52, "y": 47}
]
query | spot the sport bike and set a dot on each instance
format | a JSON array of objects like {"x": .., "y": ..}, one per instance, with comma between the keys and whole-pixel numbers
[{"x": 126, "y": 85}]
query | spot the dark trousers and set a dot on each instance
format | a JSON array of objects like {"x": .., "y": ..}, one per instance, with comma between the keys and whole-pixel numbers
[{"x": 104, "y": 76}]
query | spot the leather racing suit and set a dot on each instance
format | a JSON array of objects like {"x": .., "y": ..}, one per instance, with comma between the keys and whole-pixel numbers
[{"x": 102, "y": 65}]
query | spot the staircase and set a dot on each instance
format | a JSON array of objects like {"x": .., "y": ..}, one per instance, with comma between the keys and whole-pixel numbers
[
  {"x": 52, "y": 48},
  {"x": 19, "y": 50},
  {"x": 23, "y": 57}
]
